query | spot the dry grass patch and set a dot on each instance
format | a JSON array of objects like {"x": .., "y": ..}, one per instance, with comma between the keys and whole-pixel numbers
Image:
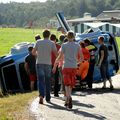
[{"x": 15, "y": 107}]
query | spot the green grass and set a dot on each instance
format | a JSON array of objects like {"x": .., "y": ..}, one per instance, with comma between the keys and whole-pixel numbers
[
  {"x": 11, "y": 36},
  {"x": 118, "y": 41},
  {"x": 14, "y": 107}
]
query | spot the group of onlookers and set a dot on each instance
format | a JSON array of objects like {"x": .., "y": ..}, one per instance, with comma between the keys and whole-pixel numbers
[{"x": 64, "y": 61}]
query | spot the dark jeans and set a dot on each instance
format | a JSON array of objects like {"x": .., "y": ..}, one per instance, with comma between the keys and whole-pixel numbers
[
  {"x": 44, "y": 77},
  {"x": 89, "y": 77},
  {"x": 56, "y": 83},
  {"x": 104, "y": 71}
]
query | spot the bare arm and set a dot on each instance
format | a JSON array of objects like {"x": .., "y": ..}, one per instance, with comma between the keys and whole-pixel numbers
[
  {"x": 26, "y": 67},
  {"x": 60, "y": 56},
  {"x": 34, "y": 52},
  {"x": 55, "y": 53},
  {"x": 80, "y": 56}
]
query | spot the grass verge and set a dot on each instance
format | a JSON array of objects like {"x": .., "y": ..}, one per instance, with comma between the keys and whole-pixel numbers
[{"x": 16, "y": 107}]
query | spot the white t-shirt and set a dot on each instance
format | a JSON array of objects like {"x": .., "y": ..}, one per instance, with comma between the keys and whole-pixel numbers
[
  {"x": 44, "y": 49},
  {"x": 70, "y": 51}
]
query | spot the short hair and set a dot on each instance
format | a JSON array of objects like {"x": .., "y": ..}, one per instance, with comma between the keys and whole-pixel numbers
[
  {"x": 46, "y": 33},
  {"x": 101, "y": 38},
  {"x": 65, "y": 40},
  {"x": 30, "y": 48},
  {"x": 53, "y": 37},
  {"x": 62, "y": 37},
  {"x": 60, "y": 29},
  {"x": 82, "y": 44},
  {"x": 87, "y": 41},
  {"x": 37, "y": 37},
  {"x": 70, "y": 35}
]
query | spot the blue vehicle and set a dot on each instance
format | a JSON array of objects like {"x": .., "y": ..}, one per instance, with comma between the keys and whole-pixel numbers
[
  {"x": 13, "y": 77},
  {"x": 110, "y": 41}
]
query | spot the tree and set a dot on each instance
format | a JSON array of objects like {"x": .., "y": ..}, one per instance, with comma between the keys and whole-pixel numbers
[{"x": 20, "y": 14}]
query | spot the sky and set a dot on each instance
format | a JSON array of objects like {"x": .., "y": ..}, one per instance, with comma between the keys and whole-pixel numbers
[{"x": 25, "y": 1}]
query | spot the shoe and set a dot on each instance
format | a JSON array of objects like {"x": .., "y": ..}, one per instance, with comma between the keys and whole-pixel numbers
[
  {"x": 41, "y": 100},
  {"x": 48, "y": 101},
  {"x": 66, "y": 102},
  {"x": 103, "y": 87},
  {"x": 111, "y": 87},
  {"x": 56, "y": 95},
  {"x": 70, "y": 103},
  {"x": 48, "y": 98}
]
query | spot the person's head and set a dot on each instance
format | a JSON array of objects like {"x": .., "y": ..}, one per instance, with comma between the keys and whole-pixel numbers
[
  {"x": 30, "y": 48},
  {"x": 62, "y": 37},
  {"x": 87, "y": 42},
  {"x": 82, "y": 44},
  {"x": 37, "y": 37},
  {"x": 70, "y": 36},
  {"x": 53, "y": 37},
  {"x": 65, "y": 40},
  {"x": 62, "y": 30},
  {"x": 101, "y": 39},
  {"x": 46, "y": 33}
]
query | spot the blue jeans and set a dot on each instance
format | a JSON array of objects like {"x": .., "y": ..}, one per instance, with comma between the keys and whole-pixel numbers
[{"x": 44, "y": 80}]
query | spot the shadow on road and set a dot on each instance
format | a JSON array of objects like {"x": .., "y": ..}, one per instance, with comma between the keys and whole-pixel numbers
[
  {"x": 89, "y": 115},
  {"x": 77, "y": 103},
  {"x": 77, "y": 111},
  {"x": 96, "y": 91},
  {"x": 55, "y": 106}
]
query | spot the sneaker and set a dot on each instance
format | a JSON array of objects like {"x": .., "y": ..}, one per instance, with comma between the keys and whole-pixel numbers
[
  {"x": 103, "y": 87},
  {"x": 70, "y": 103},
  {"x": 48, "y": 101},
  {"x": 111, "y": 87},
  {"x": 66, "y": 102},
  {"x": 56, "y": 95},
  {"x": 41, "y": 100}
]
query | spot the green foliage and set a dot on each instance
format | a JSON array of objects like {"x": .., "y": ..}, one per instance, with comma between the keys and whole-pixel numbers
[{"x": 20, "y": 14}]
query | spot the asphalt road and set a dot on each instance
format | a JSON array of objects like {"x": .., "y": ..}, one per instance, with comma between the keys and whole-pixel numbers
[{"x": 96, "y": 104}]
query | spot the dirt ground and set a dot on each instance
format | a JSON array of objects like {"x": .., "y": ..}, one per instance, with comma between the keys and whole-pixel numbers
[{"x": 96, "y": 104}]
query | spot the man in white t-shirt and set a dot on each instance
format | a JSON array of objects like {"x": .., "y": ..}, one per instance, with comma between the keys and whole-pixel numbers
[{"x": 43, "y": 49}]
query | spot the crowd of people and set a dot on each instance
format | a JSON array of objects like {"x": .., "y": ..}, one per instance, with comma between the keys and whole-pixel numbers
[{"x": 63, "y": 62}]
